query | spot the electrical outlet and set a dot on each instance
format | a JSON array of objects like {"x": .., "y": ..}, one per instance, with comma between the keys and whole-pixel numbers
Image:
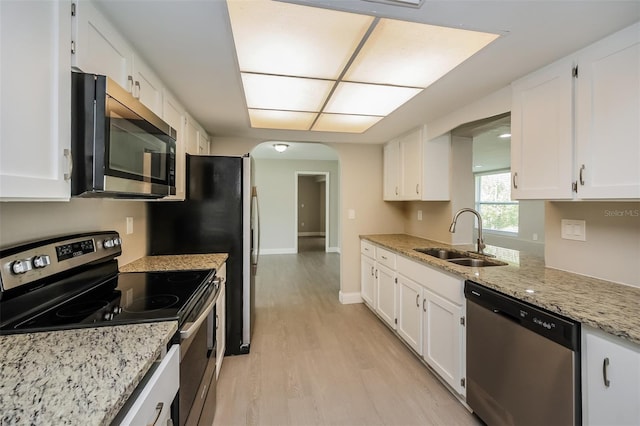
[
  {"x": 419, "y": 214},
  {"x": 573, "y": 229},
  {"x": 129, "y": 225},
  {"x": 351, "y": 214}
]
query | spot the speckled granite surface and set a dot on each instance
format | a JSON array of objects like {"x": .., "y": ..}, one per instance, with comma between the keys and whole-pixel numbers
[
  {"x": 75, "y": 377},
  {"x": 176, "y": 262},
  {"x": 614, "y": 308}
]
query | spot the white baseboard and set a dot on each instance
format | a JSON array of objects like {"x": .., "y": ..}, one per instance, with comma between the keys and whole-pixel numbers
[
  {"x": 311, "y": 234},
  {"x": 267, "y": 252},
  {"x": 349, "y": 298}
]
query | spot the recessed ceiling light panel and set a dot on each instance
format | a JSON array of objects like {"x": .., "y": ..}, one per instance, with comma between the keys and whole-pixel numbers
[
  {"x": 368, "y": 99},
  {"x": 412, "y": 54},
  {"x": 285, "y": 93},
  {"x": 286, "y": 39},
  {"x": 288, "y": 120},
  {"x": 344, "y": 123}
]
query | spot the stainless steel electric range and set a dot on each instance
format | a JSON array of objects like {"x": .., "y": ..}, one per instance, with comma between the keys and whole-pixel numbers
[{"x": 73, "y": 281}]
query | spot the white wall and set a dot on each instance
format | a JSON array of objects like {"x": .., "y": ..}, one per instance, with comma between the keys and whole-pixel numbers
[
  {"x": 21, "y": 222},
  {"x": 276, "y": 182}
]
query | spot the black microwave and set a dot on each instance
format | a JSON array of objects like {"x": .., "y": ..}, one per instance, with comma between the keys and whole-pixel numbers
[{"x": 120, "y": 148}]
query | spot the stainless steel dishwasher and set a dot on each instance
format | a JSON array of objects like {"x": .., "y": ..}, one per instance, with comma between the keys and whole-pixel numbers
[{"x": 523, "y": 363}]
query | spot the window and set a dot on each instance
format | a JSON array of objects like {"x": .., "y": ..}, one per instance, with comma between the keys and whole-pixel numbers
[{"x": 493, "y": 201}]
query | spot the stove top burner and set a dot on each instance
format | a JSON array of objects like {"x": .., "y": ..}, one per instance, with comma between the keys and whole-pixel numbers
[{"x": 151, "y": 303}]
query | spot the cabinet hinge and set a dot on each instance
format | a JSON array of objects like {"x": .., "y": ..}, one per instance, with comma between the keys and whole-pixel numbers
[
  {"x": 462, "y": 321},
  {"x": 73, "y": 47},
  {"x": 73, "y": 9},
  {"x": 462, "y": 382},
  {"x": 574, "y": 72}
]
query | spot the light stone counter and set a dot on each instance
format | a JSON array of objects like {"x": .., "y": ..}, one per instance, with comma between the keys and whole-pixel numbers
[
  {"x": 176, "y": 262},
  {"x": 76, "y": 377},
  {"x": 614, "y": 308}
]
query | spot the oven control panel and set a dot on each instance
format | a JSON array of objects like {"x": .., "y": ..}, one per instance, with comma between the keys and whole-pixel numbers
[{"x": 34, "y": 261}]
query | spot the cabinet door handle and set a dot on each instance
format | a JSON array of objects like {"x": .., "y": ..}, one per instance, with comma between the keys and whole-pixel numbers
[
  {"x": 515, "y": 183},
  {"x": 396, "y": 190},
  {"x": 130, "y": 84},
  {"x": 159, "y": 408},
  {"x": 417, "y": 300},
  {"x": 582, "y": 175},
  {"x": 69, "y": 156},
  {"x": 138, "y": 91},
  {"x": 376, "y": 273},
  {"x": 605, "y": 364},
  {"x": 384, "y": 257},
  {"x": 417, "y": 188},
  {"x": 372, "y": 271},
  {"x": 424, "y": 308}
]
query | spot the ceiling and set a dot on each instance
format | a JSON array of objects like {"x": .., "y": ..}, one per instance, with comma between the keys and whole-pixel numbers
[{"x": 189, "y": 45}]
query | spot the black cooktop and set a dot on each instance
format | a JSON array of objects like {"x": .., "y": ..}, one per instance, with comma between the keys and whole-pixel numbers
[{"x": 121, "y": 299}]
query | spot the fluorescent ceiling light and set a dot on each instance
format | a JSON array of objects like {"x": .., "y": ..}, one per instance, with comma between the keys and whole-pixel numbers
[
  {"x": 368, "y": 99},
  {"x": 410, "y": 54},
  {"x": 285, "y": 93},
  {"x": 307, "y": 68},
  {"x": 272, "y": 37},
  {"x": 344, "y": 123},
  {"x": 288, "y": 120}
]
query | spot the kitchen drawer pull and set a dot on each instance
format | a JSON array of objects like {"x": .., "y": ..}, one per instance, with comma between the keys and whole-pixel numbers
[
  {"x": 384, "y": 257},
  {"x": 582, "y": 175},
  {"x": 159, "y": 408},
  {"x": 605, "y": 364},
  {"x": 417, "y": 300},
  {"x": 515, "y": 183}
]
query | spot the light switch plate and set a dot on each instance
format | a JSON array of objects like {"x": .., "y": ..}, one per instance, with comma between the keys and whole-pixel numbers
[
  {"x": 351, "y": 214},
  {"x": 129, "y": 225},
  {"x": 573, "y": 229}
]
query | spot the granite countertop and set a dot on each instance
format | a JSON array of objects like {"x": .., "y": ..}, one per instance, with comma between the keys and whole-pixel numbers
[
  {"x": 176, "y": 262},
  {"x": 612, "y": 307},
  {"x": 82, "y": 376}
]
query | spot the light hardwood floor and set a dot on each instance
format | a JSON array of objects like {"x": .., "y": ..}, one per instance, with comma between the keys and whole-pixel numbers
[{"x": 314, "y": 361}]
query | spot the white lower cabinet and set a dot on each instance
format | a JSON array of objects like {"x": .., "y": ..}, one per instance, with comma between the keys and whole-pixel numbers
[
  {"x": 610, "y": 379},
  {"x": 425, "y": 306},
  {"x": 443, "y": 339},
  {"x": 410, "y": 300},
  {"x": 386, "y": 295}
]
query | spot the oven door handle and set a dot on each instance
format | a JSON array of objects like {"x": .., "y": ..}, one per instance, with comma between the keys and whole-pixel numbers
[{"x": 192, "y": 327}]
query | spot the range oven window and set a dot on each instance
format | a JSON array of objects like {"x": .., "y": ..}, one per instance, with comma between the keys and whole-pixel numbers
[{"x": 136, "y": 149}]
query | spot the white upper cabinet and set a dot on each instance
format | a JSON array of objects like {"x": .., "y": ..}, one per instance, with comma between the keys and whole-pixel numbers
[
  {"x": 608, "y": 117},
  {"x": 99, "y": 48},
  {"x": 575, "y": 124},
  {"x": 411, "y": 165},
  {"x": 35, "y": 100},
  {"x": 192, "y": 136},
  {"x": 541, "y": 134},
  {"x": 416, "y": 168},
  {"x": 391, "y": 174}
]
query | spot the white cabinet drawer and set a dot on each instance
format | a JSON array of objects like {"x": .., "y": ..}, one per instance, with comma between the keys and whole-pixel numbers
[
  {"x": 448, "y": 286},
  {"x": 368, "y": 249},
  {"x": 154, "y": 400},
  {"x": 386, "y": 258}
]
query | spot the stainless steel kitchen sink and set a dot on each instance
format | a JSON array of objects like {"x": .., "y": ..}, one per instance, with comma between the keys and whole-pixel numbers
[
  {"x": 442, "y": 253},
  {"x": 469, "y": 261}
]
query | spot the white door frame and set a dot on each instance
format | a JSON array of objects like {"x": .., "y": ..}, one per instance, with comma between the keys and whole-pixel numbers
[{"x": 326, "y": 208}]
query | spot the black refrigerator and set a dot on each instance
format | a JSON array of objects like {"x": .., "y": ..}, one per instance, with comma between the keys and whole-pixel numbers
[{"x": 219, "y": 215}]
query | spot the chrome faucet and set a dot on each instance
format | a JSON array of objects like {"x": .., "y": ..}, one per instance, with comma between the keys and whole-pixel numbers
[{"x": 452, "y": 228}]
